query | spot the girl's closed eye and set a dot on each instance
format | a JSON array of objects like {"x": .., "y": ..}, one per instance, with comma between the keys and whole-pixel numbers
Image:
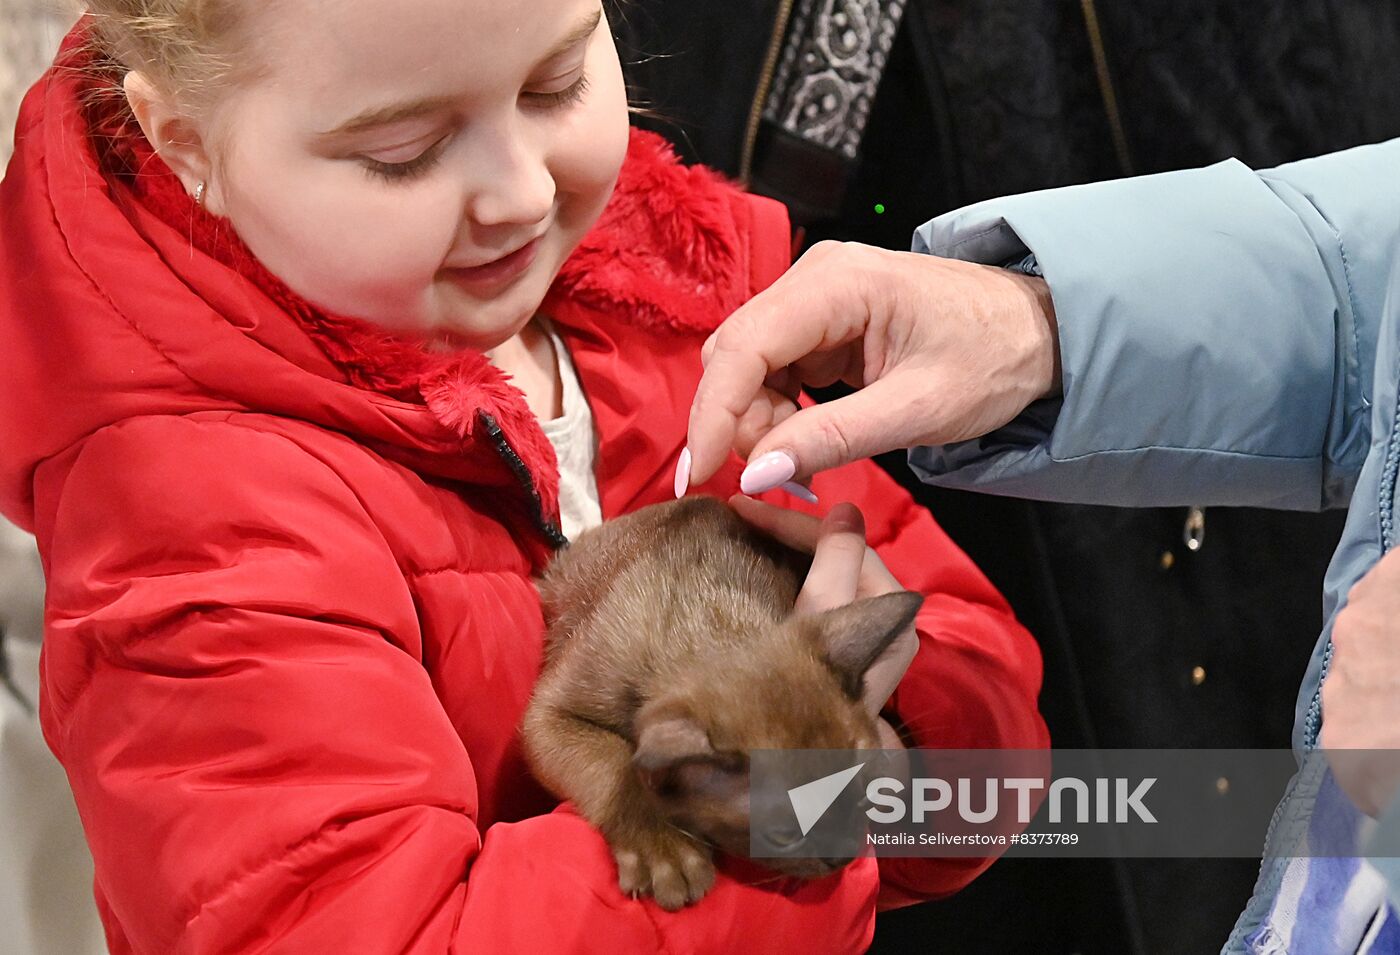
[
  {"x": 410, "y": 169},
  {"x": 407, "y": 169},
  {"x": 558, "y": 99}
]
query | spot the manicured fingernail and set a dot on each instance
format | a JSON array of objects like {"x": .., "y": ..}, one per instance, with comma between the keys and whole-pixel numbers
[
  {"x": 767, "y": 472},
  {"x": 797, "y": 490},
  {"x": 683, "y": 473}
]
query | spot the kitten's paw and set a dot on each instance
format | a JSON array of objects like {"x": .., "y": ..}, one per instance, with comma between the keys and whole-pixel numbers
[{"x": 667, "y": 865}]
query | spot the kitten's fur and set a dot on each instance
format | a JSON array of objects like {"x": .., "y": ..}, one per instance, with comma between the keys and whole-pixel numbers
[{"x": 672, "y": 652}]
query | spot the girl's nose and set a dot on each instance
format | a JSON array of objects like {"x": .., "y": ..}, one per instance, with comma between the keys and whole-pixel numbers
[{"x": 512, "y": 184}]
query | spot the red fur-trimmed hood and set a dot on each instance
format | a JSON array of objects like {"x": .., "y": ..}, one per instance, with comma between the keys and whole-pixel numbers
[
  {"x": 120, "y": 298},
  {"x": 668, "y": 250}
]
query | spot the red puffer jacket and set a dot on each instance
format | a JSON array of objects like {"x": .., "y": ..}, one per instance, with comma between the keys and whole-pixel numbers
[{"x": 291, "y": 627}]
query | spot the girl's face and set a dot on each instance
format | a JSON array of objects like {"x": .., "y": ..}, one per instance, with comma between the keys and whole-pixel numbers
[{"x": 423, "y": 164}]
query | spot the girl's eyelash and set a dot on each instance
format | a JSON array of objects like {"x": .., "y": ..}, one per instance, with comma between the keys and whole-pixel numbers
[
  {"x": 407, "y": 171},
  {"x": 565, "y": 97}
]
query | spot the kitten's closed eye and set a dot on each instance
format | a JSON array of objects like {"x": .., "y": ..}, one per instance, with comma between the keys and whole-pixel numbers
[{"x": 724, "y": 781}]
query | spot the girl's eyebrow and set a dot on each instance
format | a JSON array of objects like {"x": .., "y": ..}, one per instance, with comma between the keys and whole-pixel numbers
[
  {"x": 387, "y": 115},
  {"x": 399, "y": 112},
  {"x": 576, "y": 36}
]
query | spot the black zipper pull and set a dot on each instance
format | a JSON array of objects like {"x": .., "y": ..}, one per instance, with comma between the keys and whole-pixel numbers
[{"x": 522, "y": 474}]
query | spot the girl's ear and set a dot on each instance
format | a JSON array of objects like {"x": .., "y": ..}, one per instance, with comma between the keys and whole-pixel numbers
[{"x": 171, "y": 132}]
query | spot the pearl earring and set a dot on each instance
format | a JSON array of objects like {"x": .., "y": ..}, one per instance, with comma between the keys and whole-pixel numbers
[{"x": 199, "y": 193}]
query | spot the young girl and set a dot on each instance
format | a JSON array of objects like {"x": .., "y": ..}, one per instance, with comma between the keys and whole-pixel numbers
[{"x": 298, "y": 302}]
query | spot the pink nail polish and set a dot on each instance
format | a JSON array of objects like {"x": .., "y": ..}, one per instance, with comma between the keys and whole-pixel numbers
[
  {"x": 797, "y": 490},
  {"x": 767, "y": 472},
  {"x": 683, "y": 473}
]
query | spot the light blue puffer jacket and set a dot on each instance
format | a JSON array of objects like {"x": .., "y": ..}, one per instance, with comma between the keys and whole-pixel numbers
[{"x": 1227, "y": 337}]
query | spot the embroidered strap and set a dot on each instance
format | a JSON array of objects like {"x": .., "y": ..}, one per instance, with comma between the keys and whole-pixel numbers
[{"x": 831, "y": 64}]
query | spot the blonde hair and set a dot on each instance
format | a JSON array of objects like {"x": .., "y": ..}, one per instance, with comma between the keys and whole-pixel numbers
[{"x": 187, "y": 48}]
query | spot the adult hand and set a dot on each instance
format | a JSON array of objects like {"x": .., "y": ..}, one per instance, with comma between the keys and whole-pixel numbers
[
  {"x": 843, "y": 570},
  {"x": 943, "y": 351},
  {"x": 1361, "y": 697}
]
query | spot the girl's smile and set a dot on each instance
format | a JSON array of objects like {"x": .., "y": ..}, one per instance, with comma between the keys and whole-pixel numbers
[{"x": 497, "y": 273}]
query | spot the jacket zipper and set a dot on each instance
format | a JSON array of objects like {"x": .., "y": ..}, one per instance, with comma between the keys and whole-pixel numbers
[
  {"x": 548, "y": 528},
  {"x": 1387, "y": 521},
  {"x": 765, "y": 81},
  {"x": 1388, "y": 477}
]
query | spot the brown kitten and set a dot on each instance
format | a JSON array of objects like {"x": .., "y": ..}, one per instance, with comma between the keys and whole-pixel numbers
[{"x": 672, "y": 652}]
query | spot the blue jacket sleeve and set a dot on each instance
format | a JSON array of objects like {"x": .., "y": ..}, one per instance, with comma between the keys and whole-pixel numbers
[{"x": 1217, "y": 333}]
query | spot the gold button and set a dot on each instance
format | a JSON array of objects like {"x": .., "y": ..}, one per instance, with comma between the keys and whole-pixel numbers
[
  {"x": 1168, "y": 558},
  {"x": 1198, "y": 676},
  {"x": 1222, "y": 785}
]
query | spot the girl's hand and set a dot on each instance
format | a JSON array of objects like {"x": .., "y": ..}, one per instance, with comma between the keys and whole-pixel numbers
[{"x": 844, "y": 569}]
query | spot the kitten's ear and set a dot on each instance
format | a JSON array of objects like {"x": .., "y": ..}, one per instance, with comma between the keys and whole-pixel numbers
[
  {"x": 852, "y": 637},
  {"x": 668, "y": 737}
]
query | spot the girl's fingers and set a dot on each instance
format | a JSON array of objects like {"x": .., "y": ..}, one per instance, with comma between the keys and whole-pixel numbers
[
  {"x": 791, "y": 528},
  {"x": 875, "y": 577},
  {"x": 834, "y": 579},
  {"x": 836, "y": 543}
]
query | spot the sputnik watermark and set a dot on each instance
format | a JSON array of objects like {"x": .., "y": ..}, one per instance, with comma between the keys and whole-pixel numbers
[
  {"x": 929, "y": 796},
  {"x": 811, "y": 801},
  {"x": 891, "y": 800},
  {"x": 1102, "y": 803}
]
